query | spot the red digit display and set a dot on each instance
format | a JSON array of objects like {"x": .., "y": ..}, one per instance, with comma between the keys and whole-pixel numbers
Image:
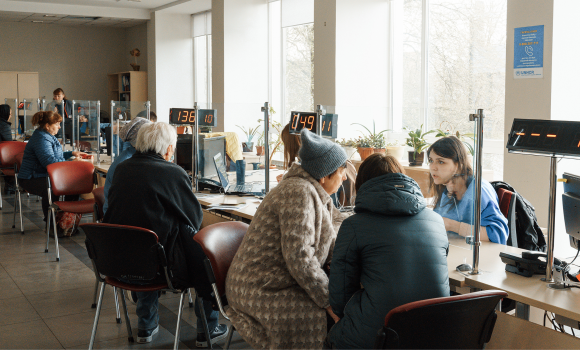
[
  {"x": 551, "y": 137},
  {"x": 192, "y": 116}
]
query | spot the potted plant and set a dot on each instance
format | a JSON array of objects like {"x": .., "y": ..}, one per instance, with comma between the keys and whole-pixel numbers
[
  {"x": 135, "y": 53},
  {"x": 373, "y": 142},
  {"x": 349, "y": 146},
  {"x": 250, "y": 133},
  {"x": 396, "y": 149},
  {"x": 276, "y": 131},
  {"x": 260, "y": 145},
  {"x": 462, "y": 137},
  {"x": 417, "y": 140}
]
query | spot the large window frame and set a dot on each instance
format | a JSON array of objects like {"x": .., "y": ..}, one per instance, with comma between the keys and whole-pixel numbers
[{"x": 205, "y": 34}]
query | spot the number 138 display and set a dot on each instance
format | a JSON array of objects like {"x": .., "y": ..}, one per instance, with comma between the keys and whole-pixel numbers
[
  {"x": 308, "y": 120},
  {"x": 207, "y": 117}
]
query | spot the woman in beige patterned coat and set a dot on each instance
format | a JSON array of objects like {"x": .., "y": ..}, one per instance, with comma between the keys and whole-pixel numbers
[{"x": 276, "y": 287}]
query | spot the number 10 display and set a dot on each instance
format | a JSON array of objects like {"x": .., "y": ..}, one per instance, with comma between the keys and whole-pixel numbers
[{"x": 207, "y": 117}]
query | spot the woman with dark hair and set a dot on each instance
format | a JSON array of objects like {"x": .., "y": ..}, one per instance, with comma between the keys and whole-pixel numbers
[
  {"x": 43, "y": 149},
  {"x": 392, "y": 251},
  {"x": 453, "y": 188},
  {"x": 5, "y": 125}
]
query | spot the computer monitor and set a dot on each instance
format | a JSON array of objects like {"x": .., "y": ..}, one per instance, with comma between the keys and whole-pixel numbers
[
  {"x": 209, "y": 147},
  {"x": 571, "y": 207}
]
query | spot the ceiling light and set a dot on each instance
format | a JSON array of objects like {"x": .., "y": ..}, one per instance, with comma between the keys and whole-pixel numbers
[
  {"x": 37, "y": 21},
  {"x": 49, "y": 15}
]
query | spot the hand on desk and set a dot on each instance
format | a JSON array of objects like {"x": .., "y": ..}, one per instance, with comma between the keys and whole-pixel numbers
[
  {"x": 463, "y": 229},
  {"x": 79, "y": 155}
]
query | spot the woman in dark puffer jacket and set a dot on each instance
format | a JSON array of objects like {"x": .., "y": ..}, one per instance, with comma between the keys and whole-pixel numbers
[{"x": 391, "y": 252}]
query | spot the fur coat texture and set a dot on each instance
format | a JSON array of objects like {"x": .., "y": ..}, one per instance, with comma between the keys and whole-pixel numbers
[{"x": 276, "y": 287}]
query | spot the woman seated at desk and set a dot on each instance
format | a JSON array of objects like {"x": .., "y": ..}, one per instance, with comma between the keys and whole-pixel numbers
[
  {"x": 276, "y": 286},
  {"x": 453, "y": 188},
  {"x": 42, "y": 150}
]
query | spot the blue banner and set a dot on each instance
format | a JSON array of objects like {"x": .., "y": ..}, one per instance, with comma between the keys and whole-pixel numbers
[{"x": 529, "y": 52}]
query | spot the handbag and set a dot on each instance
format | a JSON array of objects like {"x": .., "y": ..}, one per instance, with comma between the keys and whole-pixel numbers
[{"x": 68, "y": 222}]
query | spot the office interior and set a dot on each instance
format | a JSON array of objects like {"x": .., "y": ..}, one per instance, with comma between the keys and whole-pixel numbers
[{"x": 373, "y": 62}]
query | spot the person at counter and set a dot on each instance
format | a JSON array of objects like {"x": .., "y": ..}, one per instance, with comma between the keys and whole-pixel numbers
[
  {"x": 276, "y": 287},
  {"x": 5, "y": 125},
  {"x": 42, "y": 150},
  {"x": 58, "y": 96},
  {"x": 149, "y": 191},
  {"x": 452, "y": 185},
  {"x": 392, "y": 239},
  {"x": 128, "y": 135}
]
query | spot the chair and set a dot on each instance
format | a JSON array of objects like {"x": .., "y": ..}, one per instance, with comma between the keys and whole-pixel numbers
[
  {"x": 17, "y": 165},
  {"x": 85, "y": 146},
  {"x": 64, "y": 179},
  {"x": 458, "y": 322},
  {"x": 507, "y": 205},
  {"x": 220, "y": 242},
  {"x": 118, "y": 251},
  {"x": 8, "y": 152}
]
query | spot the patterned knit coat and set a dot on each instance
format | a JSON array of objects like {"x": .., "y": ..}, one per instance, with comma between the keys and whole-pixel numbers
[{"x": 276, "y": 288}]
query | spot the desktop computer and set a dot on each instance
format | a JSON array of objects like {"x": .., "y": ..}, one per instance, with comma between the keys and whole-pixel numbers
[
  {"x": 571, "y": 207},
  {"x": 208, "y": 147}
]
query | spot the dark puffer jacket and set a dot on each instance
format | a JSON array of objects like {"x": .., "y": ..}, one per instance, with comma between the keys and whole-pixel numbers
[{"x": 395, "y": 248}]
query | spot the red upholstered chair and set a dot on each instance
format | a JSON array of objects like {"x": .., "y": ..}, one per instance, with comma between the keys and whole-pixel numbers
[
  {"x": 458, "y": 322},
  {"x": 65, "y": 179},
  {"x": 118, "y": 251},
  {"x": 220, "y": 242},
  {"x": 8, "y": 152},
  {"x": 85, "y": 146},
  {"x": 507, "y": 205}
]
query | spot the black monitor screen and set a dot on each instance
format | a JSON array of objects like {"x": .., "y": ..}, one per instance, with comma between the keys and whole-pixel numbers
[{"x": 209, "y": 147}]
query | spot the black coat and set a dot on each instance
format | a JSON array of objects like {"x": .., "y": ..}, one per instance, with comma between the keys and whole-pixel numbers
[
  {"x": 395, "y": 248},
  {"x": 152, "y": 193},
  {"x": 5, "y": 130}
]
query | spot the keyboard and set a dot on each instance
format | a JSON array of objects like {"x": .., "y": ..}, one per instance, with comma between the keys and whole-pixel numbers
[{"x": 243, "y": 188}]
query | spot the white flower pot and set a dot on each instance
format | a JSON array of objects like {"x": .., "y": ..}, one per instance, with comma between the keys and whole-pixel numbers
[
  {"x": 350, "y": 151},
  {"x": 396, "y": 151}
]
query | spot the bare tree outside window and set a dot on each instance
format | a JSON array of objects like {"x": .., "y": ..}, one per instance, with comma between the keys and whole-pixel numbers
[{"x": 298, "y": 68}]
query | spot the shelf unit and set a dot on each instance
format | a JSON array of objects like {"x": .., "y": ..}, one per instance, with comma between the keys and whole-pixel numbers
[{"x": 128, "y": 86}]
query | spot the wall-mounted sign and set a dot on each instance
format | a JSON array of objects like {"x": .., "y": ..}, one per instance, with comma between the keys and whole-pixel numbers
[
  {"x": 529, "y": 52},
  {"x": 207, "y": 117}
]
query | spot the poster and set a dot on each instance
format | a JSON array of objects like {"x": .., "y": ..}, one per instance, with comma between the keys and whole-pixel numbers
[{"x": 529, "y": 52}]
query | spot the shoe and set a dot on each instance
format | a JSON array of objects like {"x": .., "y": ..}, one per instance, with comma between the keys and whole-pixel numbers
[
  {"x": 131, "y": 296},
  {"x": 219, "y": 333},
  {"x": 146, "y": 336}
]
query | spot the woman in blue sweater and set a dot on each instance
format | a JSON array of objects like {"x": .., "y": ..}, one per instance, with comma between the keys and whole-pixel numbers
[
  {"x": 42, "y": 149},
  {"x": 453, "y": 188}
]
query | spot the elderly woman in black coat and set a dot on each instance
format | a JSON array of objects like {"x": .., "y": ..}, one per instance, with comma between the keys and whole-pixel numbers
[
  {"x": 393, "y": 246},
  {"x": 149, "y": 191}
]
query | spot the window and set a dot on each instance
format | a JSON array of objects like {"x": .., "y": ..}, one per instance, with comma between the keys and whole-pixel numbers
[{"x": 202, "y": 57}]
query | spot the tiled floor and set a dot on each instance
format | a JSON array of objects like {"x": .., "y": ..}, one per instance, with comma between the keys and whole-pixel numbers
[{"x": 46, "y": 304}]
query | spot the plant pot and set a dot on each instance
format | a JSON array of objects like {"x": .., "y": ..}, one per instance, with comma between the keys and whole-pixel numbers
[
  {"x": 365, "y": 152},
  {"x": 247, "y": 146},
  {"x": 379, "y": 150},
  {"x": 416, "y": 159},
  {"x": 272, "y": 166},
  {"x": 350, "y": 151},
  {"x": 259, "y": 150},
  {"x": 396, "y": 152}
]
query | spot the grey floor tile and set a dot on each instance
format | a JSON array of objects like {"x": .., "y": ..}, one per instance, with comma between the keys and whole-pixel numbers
[
  {"x": 61, "y": 280},
  {"x": 29, "y": 335},
  {"x": 163, "y": 340},
  {"x": 9, "y": 289},
  {"x": 3, "y": 273},
  {"x": 16, "y": 310}
]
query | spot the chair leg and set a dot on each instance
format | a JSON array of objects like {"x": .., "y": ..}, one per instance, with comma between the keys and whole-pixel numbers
[
  {"x": 55, "y": 235},
  {"x": 190, "y": 299},
  {"x": 20, "y": 211},
  {"x": 229, "y": 340},
  {"x": 1, "y": 197},
  {"x": 178, "y": 327},
  {"x": 204, "y": 321},
  {"x": 97, "y": 313},
  {"x": 95, "y": 295},
  {"x": 117, "y": 305},
  {"x": 47, "y": 232},
  {"x": 14, "y": 214},
  {"x": 127, "y": 322}
]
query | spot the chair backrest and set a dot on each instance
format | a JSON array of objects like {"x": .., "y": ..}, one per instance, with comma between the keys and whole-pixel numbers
[
  {"x": 99, "y": 194},
  {"x": 70, "y": 178},
  {"x": 86, "y": 145},
  {"x": 18, "y": 160},
  {"x": 458, "y": 322},
  {"x": 220, "y": 242},
  {"x": 507, "y": 205},
  {"x": 124, "y": 252},
  {"x": 8, "y": 152}
]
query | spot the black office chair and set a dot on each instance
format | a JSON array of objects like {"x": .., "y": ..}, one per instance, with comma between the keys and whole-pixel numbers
[
  {"x": 458, "y": 322},
  {"x": 128, "y": 253}
]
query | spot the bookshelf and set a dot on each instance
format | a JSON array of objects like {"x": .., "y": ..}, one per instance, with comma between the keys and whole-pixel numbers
[{"x": 128, "y": 86}]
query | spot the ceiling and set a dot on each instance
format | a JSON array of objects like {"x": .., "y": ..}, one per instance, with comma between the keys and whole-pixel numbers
[{"x": 41, "y": 18}]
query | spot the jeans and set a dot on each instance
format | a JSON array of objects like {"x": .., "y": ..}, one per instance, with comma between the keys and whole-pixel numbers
[{"x": 148, "y": 306}]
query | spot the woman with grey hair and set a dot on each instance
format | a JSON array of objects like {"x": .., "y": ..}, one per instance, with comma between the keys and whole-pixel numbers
[{"x": 149, "y": 191}]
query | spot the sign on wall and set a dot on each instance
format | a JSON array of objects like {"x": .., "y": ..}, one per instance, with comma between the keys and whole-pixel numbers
[{"x": 529, "y": 52}]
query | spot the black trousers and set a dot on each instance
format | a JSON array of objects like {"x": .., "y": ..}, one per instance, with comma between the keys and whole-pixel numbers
[{"x": 39, "y": 187}]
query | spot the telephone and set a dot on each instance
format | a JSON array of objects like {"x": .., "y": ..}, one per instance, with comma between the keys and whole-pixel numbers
[{"x": 528, "y": 263}]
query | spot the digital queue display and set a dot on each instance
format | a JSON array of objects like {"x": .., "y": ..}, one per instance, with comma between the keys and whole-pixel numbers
[
  {"x": 550, "y": 137},
  {"x": 308, "y": 120},
  {"x": 183, "y": 116}
]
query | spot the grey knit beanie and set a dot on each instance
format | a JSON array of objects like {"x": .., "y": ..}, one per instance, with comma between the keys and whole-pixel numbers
[
  {"x": 318, "y": 156},
  {"x": 128, "y": 132}
]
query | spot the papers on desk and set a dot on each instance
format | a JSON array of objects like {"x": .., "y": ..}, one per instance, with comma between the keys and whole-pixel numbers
[
  {"x": 208, "y": 195},
  {"x": 225, "y": 206}
]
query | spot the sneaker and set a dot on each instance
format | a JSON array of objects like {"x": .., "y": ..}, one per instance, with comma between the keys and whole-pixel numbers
[
  {"x": 219, "y": 333},
  {"x": 131, "y": 296},
  {"x": 146, "y": 336}
]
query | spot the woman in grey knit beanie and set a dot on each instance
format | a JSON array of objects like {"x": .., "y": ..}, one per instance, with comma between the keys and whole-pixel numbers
[{"x": 276, "y": 287}]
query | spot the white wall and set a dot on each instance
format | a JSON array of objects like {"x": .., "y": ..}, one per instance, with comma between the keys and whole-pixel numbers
[
  {"x": 325, "y": 46},
  {"x": 137, "y": 38},
  {"x": 240, "y": 61},
  {"x": 173, "y": 63},
  {"x": 76, "y": 59}
]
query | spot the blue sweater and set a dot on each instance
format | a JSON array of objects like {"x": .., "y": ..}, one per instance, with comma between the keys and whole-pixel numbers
[
  {"x": 126, "y": 154},
  {"x": 42, "y": 149},
  {"x": 462, "y": 211}
]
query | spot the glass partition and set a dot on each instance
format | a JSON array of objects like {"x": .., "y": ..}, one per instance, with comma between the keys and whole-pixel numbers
[
  {"x": 13, "y": 103},
  {"x": 85, "y": 125},
  {"x": 26, "y": 110}
]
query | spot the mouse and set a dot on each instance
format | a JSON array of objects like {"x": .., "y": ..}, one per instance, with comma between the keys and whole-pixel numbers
[{"x": 464, "y": 267}]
